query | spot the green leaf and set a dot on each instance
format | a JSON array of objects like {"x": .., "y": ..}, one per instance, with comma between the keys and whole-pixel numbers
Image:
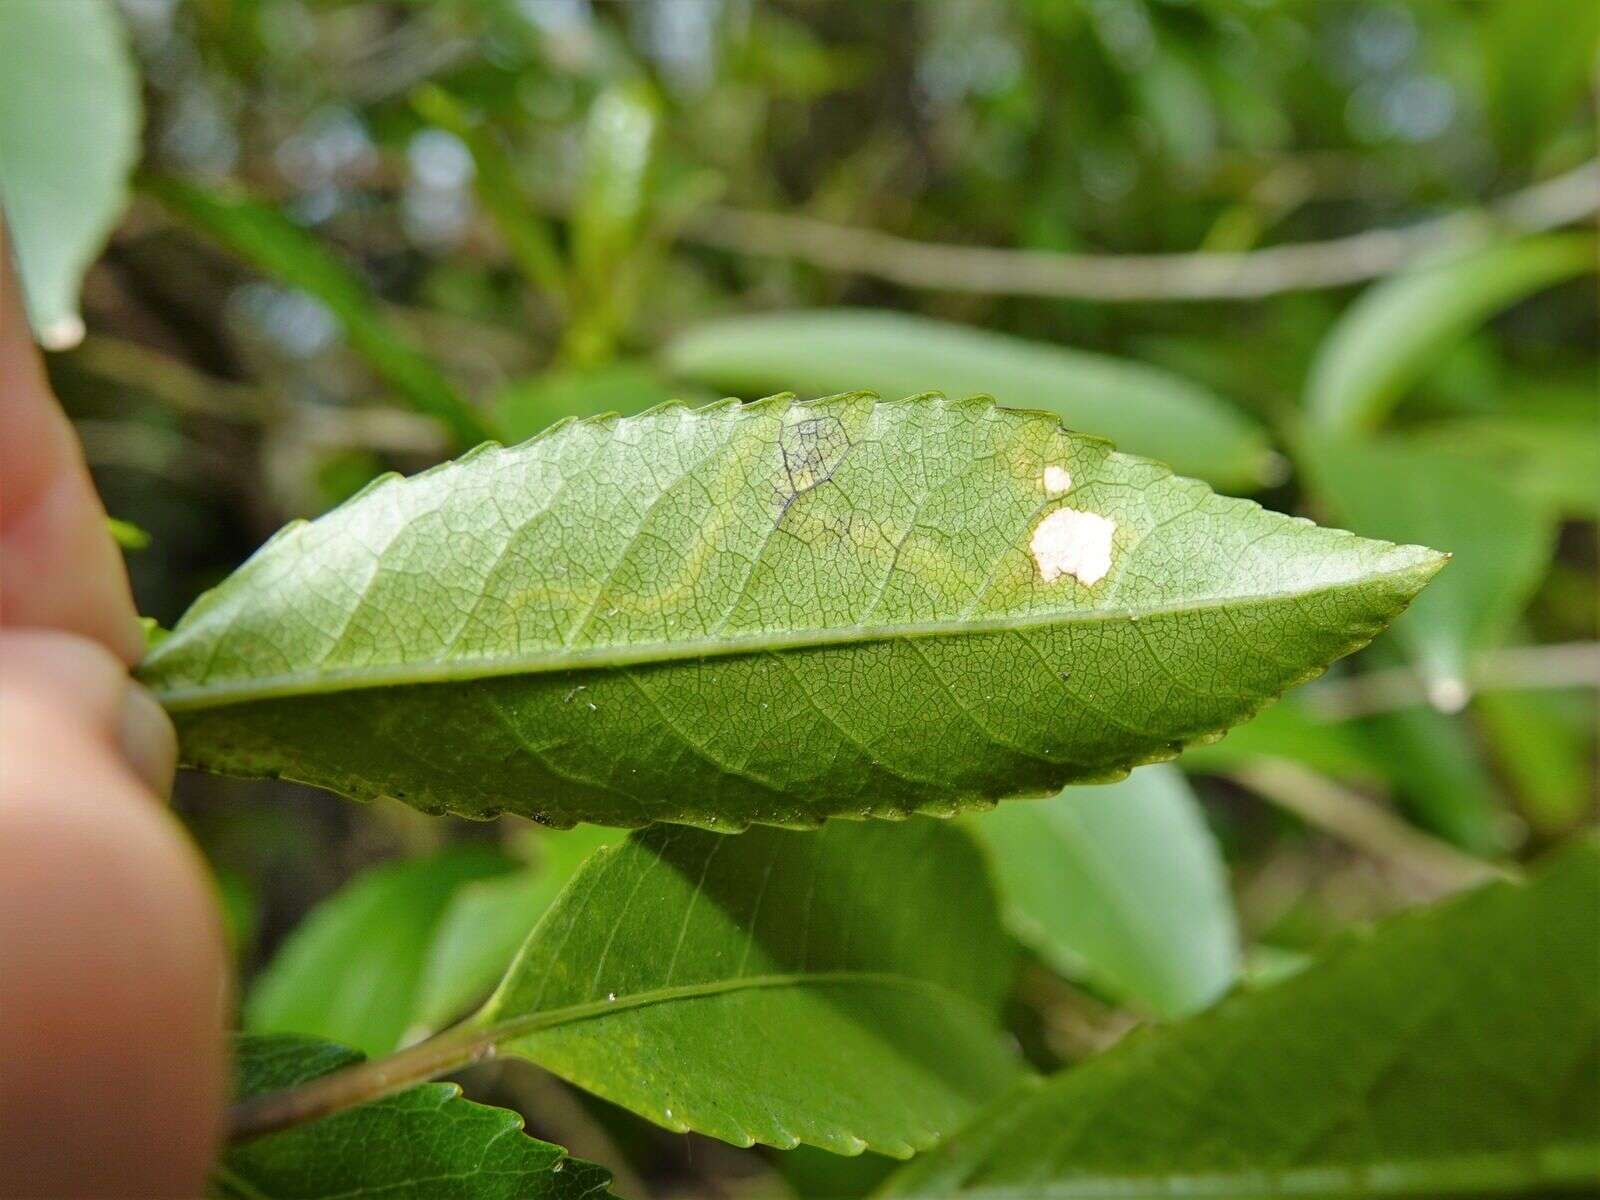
[
  {"x": 1501, "y": 543},
  {"x": 1143, "y": 409},
  {"x": 487, "y": 921},
  {"x": 69, "y": 136},
  {"x": 1552, "y": 460},
  {"x": 1439, "y": 776},
  {"x": 1538, "y": 55},
  {"x": 275, "y": 245},
  {"x": 608, "y": 217},
  {"x": 775, "y": 613},
  {"x": 1541, "y": 743},
  {"x": 1121, "y": 885},
  {"x": 1396, "y": 329},
  {"x": 1454, "y": 1052},
  {"x": 529, "y": 406},
  {"x": 774, "y": 986},
  {"x": 352, "y": 970},
  {"x": 425, "y": 1143}
]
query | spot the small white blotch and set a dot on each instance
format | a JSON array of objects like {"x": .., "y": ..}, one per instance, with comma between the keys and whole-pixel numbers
[
  {"x": 1057, "y": 481},
  {"x": 1070, "y": 542}
]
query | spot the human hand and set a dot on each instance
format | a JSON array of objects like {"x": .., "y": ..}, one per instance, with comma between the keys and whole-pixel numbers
[{"x": 113, "y": 973}]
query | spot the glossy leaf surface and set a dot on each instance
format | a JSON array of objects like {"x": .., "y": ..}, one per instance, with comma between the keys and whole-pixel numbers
[
  {"x": 775, "y": 986},
  {"x": 1121, "y": 885},
  {"x": 425, "y": 1143},
  {"x": 1454, "y": 1052},
  {"x": 1143, "y": 409},
  {"x": 772, "y": 613},
  {"x": 69, "y": 136}
]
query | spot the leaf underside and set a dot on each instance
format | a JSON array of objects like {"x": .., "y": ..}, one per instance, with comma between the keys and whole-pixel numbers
[
  {"x": 425, "y": 1143},
  {"x": 774, "y": 986},
  {"x": 1122, "y": 886},
  {"x": 768, "y": 613},
  {"x": 1454, "y": 1052}
]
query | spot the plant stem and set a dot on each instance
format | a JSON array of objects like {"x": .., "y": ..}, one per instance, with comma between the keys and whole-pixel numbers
[
  {"x": 1354, "y": 819},
  {"x": 374, "y": 1079}
]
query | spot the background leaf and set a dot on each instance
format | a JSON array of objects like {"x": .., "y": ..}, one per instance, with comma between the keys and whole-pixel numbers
[
  {"x": 1455, "y": 1052},
  {"x": 425, "y": 1143},
  {"x": 773, "y": 612},
  {"x": 1394, "y": 332},
  {"x": 1121, "y": 885},
  {"x": 69, "y": 136},
  {"x": 351, "y": 971},
  {"x": 773, "y": 986},
  {"x": 1142, "y": 409},
  {"x": 1499, "y": 540},
  {"x": 1553, "y": 460},
  {"x": 487, "y": 920},
  {"x": 608, "y": 218},
  {"x": 1439, "y": 776}
]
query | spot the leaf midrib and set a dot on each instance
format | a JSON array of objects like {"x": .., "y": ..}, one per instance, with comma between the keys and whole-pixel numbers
[
  {"x": 487, "y": 1027},
  {"x": 340, "y": 679}
]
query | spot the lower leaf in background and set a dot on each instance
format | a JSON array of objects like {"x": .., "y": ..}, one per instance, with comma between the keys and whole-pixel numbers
[
  {"x": 1439, "y": 778},
  {"x": 776, "y": 986},
  {"x": 69, "y": 135},
  {"x": 1553, "y": 459},
  {"x": 1540, "y": 742},
  {"x": 1386, "y": 341},
  {"x": 425, "y": 1143},
  {"x": 352, "y": 970},
  {"x": 487, "y": 921},
  {"x": 1121, "y": 886},
  {"x": 1500, "y": 541},
  {"x": 1143, "y": 409},
  {"x": 1455, "y": 1051}
]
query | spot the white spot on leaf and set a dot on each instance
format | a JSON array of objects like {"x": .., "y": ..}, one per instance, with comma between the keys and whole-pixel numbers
[
  {"x": 1071, "y": 542},
  {"x": 1056, "y": 480}
]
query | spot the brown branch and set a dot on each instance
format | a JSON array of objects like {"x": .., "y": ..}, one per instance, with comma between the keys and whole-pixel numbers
[
  {"x": 1564, "y": 665},
  {"x": 1358, "y": 821},
  {"x": 1126, "y": 277},
  {"x": 360, "y": 1084}
]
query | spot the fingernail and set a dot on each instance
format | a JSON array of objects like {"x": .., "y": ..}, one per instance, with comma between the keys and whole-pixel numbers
[{"x": 149, "y": 743}]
